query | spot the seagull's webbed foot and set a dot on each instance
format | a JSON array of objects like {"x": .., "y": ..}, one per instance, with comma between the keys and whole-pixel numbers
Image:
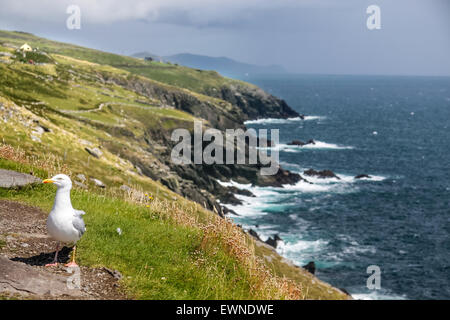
[
  {"x": 53, "y": 264},
  {"x": 71, "y": 264}
]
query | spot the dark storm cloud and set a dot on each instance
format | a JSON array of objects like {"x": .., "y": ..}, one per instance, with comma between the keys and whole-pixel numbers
[{"x": 313, "y": 36}]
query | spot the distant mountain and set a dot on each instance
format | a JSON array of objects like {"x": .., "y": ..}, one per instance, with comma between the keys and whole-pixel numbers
[{"x": 225, "y": 66}]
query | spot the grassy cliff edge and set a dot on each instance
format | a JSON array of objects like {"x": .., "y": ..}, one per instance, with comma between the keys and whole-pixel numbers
[{"x": 55, "y": 113}]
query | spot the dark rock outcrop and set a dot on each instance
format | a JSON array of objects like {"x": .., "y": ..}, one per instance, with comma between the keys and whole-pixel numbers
[
  {"x": 323, "y": 174},
  {"x": 310, "y": 267},
  {"x": 296, "y": 143},
  {"x": 254, "y": 234},
  {"x": 274, "y": 241},
  {"x": 361, "y": 176},
  {"x": 254, "y": 102},
  {"x": 301, "y": 143}
]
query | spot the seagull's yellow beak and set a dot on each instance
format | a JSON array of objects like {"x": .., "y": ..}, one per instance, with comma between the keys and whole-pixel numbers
[{"x": 48, "y": 181}]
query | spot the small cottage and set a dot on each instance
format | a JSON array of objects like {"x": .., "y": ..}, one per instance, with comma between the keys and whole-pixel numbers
[{"x": 26, "y": 48}]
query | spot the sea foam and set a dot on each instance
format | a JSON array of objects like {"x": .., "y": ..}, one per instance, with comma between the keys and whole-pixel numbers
[{"x": 283, "y": 121}]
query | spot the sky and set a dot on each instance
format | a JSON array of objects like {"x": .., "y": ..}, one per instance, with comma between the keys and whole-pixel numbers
[{"x": 303, "y": 36}]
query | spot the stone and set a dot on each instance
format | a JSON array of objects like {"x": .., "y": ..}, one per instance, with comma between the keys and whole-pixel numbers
[
  {"x": 95, "y": 152},
  {"x": 296, "y": 143},
  {"x": 139, "y": 170},
  {"x": 274, "y": 241},
  {"x": 254, "y": 234},
  {"x": 98, "y": 183},
  {"x": 11, "y": 179},
  {"x": 35, "y": 139},
  {"x": 310, "y": 267},
  {"x": 361, "y": 176},
  {"x": 116, "y": 274},
  {"x": 38, "y": 131},
  {"x": 17, "y": 278},
  {"x": 323, "y": 174},
  {"x": 81, "y": 177}
]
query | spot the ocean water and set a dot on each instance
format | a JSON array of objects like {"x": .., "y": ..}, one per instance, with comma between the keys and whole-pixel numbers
[{"x": 395, "y": 129}]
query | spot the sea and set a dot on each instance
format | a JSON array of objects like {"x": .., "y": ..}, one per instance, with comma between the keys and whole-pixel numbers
[{"x": 394, "y": 129}]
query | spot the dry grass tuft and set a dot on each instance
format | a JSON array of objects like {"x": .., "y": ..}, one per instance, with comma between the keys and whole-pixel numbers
[
  {"x": 263, "y": 283},
  {"x": 50, "y": 163}
]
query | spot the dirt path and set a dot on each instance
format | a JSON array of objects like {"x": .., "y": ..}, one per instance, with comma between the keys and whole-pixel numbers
[{"x": 24, "y": 250}]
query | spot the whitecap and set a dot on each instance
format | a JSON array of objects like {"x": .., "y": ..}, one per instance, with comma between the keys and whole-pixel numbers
[
  {"x": 273, "y": 120},
  {"x": 376, "y": 295},
  {"x": 314, "y": 118},
  {"x": 324, "y": 145},
  {"x": 373, "y": 178},
  {"x": 302, "y": 246},
  {"x": 318, "y": 145}
]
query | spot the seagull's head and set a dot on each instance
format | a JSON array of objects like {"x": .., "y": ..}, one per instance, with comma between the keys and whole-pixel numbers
[{"x": 61, "y": 181}]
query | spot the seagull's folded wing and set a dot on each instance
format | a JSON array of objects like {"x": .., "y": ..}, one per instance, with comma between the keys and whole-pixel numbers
[{"x": 78, "y": 222}]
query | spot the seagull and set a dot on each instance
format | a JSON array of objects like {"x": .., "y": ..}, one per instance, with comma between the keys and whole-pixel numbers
[{"x": 64, "y": 223}]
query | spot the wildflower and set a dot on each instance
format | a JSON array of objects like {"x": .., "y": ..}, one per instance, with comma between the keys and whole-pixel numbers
[{"x": 119, "y": 231}]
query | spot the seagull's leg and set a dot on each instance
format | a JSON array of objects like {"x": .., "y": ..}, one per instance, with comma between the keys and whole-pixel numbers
[
  {"x": 73, "y": 263},
  {"x": 55, "y": 259}
]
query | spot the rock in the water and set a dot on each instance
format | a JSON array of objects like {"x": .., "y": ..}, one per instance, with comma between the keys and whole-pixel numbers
[
  {"x": 95, "y": 152},
  {"x": 296, "y": 143},
  {"x": 10, "y": 179},
  {"x": 98, "y": 183},
  {"x": 274, "y": 241},
  {"x": 301, "y": 143},
  {"x": 310, "y": 267},
  {"x": 361, "y": 176},
  {"x": 17, "y": 278},
  {"x": 321, "y": 174}
]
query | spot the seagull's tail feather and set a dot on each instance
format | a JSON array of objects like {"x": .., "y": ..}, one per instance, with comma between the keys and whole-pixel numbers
[{"x": 79, "y": 212}]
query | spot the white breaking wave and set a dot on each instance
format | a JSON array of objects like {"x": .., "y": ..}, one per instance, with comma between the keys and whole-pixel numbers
[
  {"x": 318, "y": 145},
  {"x": 375, "y": 295},
  {"x": 303, "y": 246},
  {"x": 373, "y": 178},
  {"x": 273, "y": 120},
  {"x": 280, "y": 121},
  {"x": 324, "y": 145},
  {"x": 314, "y": 118}
]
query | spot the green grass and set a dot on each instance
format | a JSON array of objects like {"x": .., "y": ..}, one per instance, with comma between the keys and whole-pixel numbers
[
  {"x": 36, "y": 57},
  {"x": 158, "y": 259}
]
